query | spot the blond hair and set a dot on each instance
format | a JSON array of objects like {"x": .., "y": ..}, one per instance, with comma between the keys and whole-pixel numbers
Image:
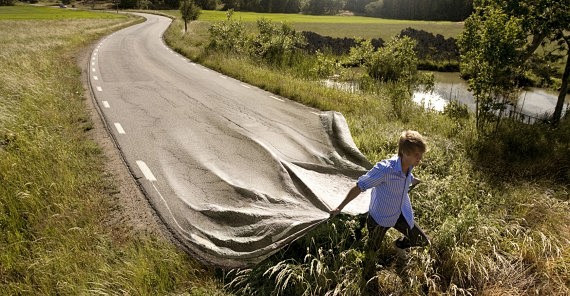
[{"x": 410, "y": 142}]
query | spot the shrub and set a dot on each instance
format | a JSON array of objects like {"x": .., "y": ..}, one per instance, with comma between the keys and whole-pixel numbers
[
  {"x": 275, "y": 44},
  {"x": 456, "y": 110},
  {"x": 396, "y": 61},
  {"x": 228, "y": 36}
]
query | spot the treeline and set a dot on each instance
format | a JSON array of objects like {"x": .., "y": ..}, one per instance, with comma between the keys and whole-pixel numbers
[
  {"x": 453, "y": 10},
  {"x": 7, "y": 2},
  {"x": 277, "y": 6}
]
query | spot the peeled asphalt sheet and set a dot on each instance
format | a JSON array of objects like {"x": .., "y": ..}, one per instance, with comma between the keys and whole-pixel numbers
[{"x": 237, "y": 172}]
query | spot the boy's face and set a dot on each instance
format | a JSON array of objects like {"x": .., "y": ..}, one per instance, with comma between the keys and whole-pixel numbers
[{"x": 414, "y": 158}]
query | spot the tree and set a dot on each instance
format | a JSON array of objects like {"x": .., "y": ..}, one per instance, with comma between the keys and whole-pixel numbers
[
  {"x": 323, "y": 7},
  {"x": 127, "y": 4},
  {"x": 7, "y": 2},
  {"x": 206, "y": 4},
  {"x": 357, "y": 6},
  {"x": 491, "y": 46},
  {"x": 276, "y": 43},
  {"x": 544, "y": 22},
  {"x": 189, "y": 11}
]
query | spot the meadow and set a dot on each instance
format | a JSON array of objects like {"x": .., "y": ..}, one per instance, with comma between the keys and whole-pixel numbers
[
  {"x": 21, "y": 12},
  {"x": 338, "y": 26},
  {"x": 56, "y": 198},
  {"x": 494, "y": 205}
]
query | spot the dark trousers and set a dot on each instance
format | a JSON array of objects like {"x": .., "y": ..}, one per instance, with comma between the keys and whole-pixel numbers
[{"x": 412, "y": 237}]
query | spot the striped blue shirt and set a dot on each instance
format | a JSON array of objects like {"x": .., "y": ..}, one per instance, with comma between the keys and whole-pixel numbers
[{"x": 389, "y": 195}]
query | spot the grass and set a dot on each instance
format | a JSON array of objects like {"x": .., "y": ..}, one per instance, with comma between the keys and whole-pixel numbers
[
  {"x": 20, "y": 12},
  {"x": 497, "y": 232},
  {"x": 339, "y": 26},
  {"x": 55, "y": 197},
  {"x": 498, "y": 222}
]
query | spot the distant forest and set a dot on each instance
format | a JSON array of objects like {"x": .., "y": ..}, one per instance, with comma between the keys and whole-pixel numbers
[
  {"x": 452, "y": 10},
  {"x": 438, "y": 10}
]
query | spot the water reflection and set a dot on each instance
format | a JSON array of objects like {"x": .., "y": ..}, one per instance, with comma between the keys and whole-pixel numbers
[
  {"x": 533, "y": 102},
  {"x": 430, "y": 100}
]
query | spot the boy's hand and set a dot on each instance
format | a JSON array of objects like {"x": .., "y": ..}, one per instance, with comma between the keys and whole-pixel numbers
[{"x": 334, "y": 212}]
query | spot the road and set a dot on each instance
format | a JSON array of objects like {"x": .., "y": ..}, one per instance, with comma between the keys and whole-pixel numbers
[{"x": 234, "y": 172}]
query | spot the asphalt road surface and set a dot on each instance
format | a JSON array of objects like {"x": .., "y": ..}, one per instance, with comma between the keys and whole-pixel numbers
[{"x": 234, "y": 172}]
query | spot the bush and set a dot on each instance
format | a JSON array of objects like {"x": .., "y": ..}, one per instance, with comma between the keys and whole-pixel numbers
[
  {"x": 396, "y": 61},
  {"x": 228, "y": 36},
  {"x": 534, "y": 151},
  {"x": 456, "y": 110},
  {"x": 275, "y": 44}
]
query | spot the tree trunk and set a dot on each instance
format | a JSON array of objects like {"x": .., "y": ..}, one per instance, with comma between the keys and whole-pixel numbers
[
  {"x": 531, "y": 48},
  {"x": 563, "y": 89},
  {"x": 185, "y": 26}
]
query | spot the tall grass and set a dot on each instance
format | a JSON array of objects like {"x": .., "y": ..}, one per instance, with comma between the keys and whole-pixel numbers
[
  {"x": 55, "y": 197},
  {"x": 495, "y": 231}
]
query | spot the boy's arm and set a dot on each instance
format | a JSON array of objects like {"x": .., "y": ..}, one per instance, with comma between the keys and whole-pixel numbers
[{"x": 352, "y": 194}]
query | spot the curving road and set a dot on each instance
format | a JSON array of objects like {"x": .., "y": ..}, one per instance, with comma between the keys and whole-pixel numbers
[{"x": 233, "y": 171}]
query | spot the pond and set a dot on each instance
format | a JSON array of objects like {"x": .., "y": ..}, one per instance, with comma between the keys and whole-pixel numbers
[{"x": 533, "y": 102}]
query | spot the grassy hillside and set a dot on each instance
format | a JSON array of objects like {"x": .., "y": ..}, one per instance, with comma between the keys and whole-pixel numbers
[
  {"x": 56, "y": 199},
  {"x": 496, "y": 207}
]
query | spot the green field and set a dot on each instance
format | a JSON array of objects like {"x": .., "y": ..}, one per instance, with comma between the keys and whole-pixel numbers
[
  {"x": 339, "y": 26},
  {"x": 21, "y": 12}
]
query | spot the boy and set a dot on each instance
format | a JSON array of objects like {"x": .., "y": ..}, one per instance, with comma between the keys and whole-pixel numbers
[{"x": 390, "y": 204}]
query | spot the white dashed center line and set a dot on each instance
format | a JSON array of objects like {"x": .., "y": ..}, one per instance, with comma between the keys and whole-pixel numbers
[
  {"x": 99, "y": 88},
  {"x": 106, "y": 104},
  {"x": 119, "y": 128},
  {"x": 95, "y": 77},
  {"x": 146, "y": 171},
  {"x": 245, "y": 86},
  {"x": 276, "y": 98}
]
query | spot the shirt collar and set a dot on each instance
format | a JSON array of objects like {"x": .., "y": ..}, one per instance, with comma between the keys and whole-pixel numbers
[{"x": 398, "y": 167}]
